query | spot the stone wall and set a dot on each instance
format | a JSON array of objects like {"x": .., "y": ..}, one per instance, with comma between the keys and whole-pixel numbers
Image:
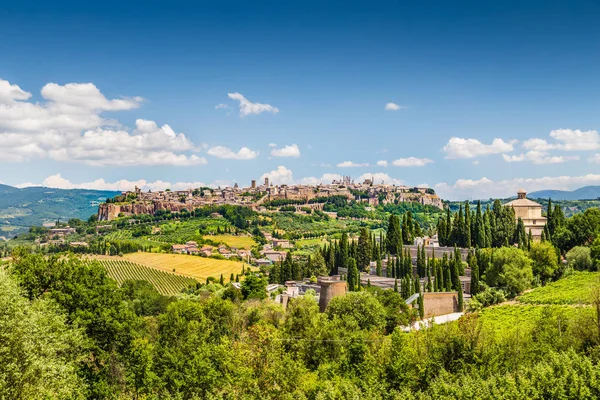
[{"x": 440, "y": 303}]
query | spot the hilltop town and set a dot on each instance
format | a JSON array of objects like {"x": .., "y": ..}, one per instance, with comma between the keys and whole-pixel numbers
[{"x": 258, "y": 196}]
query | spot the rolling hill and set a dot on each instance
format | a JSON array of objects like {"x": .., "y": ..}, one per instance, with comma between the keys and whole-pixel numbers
[
  {"x": 22, "y": 208},
  {"x": 583, "y": 193}
]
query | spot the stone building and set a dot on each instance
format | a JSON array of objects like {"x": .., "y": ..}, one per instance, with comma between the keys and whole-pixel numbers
[{"x": 531, "y": 214}]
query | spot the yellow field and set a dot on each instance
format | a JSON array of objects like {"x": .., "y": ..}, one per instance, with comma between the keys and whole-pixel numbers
[
  {"x": 197, "y": 267},
  {"x": 240, "y": 242}
]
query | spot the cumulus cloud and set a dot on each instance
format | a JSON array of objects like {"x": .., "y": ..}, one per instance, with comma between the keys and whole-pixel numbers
[
  {"x": 471, "y": 148},
  {"x": 411, "y": 162},
  {"x": 225, "y": 152},
  {"x": 350, "y": 164},
  {"x": 287, "y": 151},
  {"x": 68, "y": 126},
  {"x": 393, "y": 107},
  {"x": 247, "y": 107},
  {"x": 279, "y": 176},
  {"x": 486, "y": 188},
  {"x": 567, "y": 140},
  {"x": 272, "y": 144},
  {"x": 57, "y": 181},
  {"x": 379, "y": 177},
  {"x": 538, "y": 157},
  {"x": 382, "y": 163},
  {"x": 221, "y": 106},
  {"x": 324, "y": 179}
]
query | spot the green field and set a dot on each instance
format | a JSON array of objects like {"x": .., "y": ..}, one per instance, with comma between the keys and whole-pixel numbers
[
  {"x": 193, "y": 266},
  {"x": 165, "y": 283},
  {"x": 240, "y": 242},
  {"x": 574, "y": 289}
]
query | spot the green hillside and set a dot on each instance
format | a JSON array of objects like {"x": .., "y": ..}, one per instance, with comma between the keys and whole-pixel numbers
[{"x": 22, "y": 208}]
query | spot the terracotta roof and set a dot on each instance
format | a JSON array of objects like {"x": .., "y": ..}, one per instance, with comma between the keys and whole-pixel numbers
[{"x": 523, "y": 203}]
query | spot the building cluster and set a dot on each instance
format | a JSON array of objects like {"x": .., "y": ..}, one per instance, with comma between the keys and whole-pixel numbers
[{"x": 373, "y": 193}]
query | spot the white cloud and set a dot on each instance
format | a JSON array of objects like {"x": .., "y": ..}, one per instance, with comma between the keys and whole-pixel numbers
[
  {"x": 10, "y": 93},
  {"x": 272, "y": 144},
  {"x": 287, "y": 151},
  {"x": 350, "y": 164},
  {"x": 595, "y": 159},
  {"x": 58, "y": 182},
  {"x": 470, "y": 148},
  {"x": 68, "y": 127},
  {"x": 247, "y": 107},
  {"x": 221, "y": 106},
  {"x": 411, "y": 162},
  {"x": 225, "y": 152},
  {"x": 393, "y": 107},
  {"x": 279, "y": 176},
  {"x": 567, "y": 140},
  {"x": 486, "y": 188},
  {"x": 324, "y": 179},
  {"x": 382, "y": 163},
  {"x": 322, "y": 165},
  {"x": 379, "y": 177},
  {"x": 538, "y": 157}
]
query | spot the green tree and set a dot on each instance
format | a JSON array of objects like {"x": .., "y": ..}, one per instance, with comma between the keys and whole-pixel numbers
[
  {"x": 254, "y": 287},
  {"x": 544, "y": 260},
  {"x": 467, "y": 226},
  {"x": 474, "y": 274},
  {"x": 39, "y": 352},
  {"x": 364, "y": 250},
  {"x": 579, "y": 258},
  {"x": 510, "y": 269},
  {"x": 394, "y": 235}
]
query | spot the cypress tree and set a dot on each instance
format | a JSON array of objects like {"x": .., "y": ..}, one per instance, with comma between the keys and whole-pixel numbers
[
  {"x": 378, "y": 270},
  {"x": 467, "y": 226},
  {"x": 394, "y": 234},
  {"x": 429, "y": 284},
  {"x": 455, "y": 272},
  {"x": 421, "y": 305},
  {"x": 474, "y": 274},
  {"x": 343, "y": 250},
  {"x": 447, "y": 273},
  {"x": 408, "y": 264},
  {"x": 417, "y": 285},
  {"x": 396, "y": 285},
  {"x": 231, "y": 277},
  {"x": 460, "y": 299},
  {"x": 479, "y": 227},
  {"x": 448, "y": 227},
  {"x": 363, "y": 255}
]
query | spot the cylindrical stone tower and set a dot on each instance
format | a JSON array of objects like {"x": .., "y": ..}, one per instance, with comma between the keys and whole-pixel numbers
[{"x": 331, "y": 286}]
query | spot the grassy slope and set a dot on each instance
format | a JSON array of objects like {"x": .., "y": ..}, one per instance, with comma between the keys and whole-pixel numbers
[
  {"x": 567, "y": 299},
  {"x": 197, "y": 267},
  {"x": 574, "y": 289}
]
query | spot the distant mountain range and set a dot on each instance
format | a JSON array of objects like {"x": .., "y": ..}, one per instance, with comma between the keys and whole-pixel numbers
[
  {"x": 22, "y": 208},
  {"x": 583, "y": 193}
]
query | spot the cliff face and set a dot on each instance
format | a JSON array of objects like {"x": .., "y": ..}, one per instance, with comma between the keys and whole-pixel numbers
[{"x": 108, "y": 212}]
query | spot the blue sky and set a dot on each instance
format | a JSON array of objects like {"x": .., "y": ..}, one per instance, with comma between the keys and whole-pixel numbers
[{"x": 487, "y": 96}]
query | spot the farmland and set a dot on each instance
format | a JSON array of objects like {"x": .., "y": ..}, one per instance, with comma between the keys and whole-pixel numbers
[
  {"x": 194, "y": 266},
  {"x": 574, "y": 289},
  {"x": 166, "y": 283},
  {"x": 240, "y": 242}
]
